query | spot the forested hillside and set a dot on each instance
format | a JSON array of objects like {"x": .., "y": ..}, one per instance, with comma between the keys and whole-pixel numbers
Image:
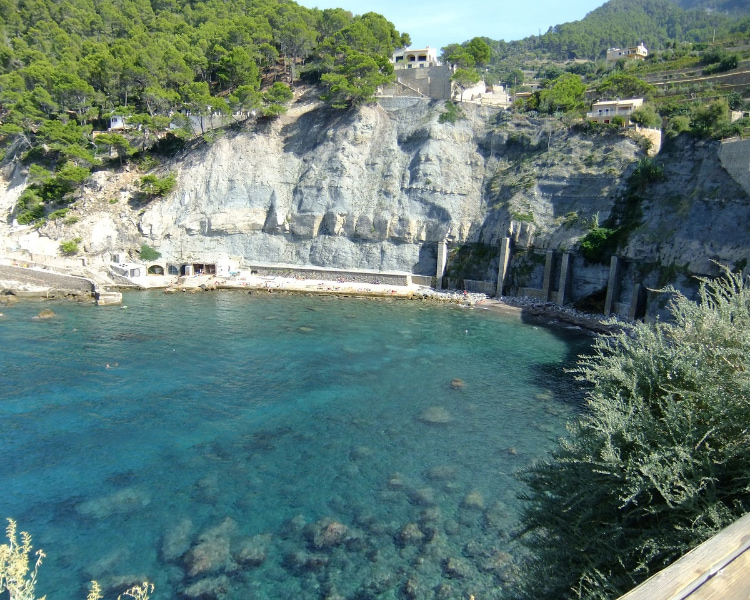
[
  {"x": 733, "y": 7},
  {"x": 619, "y": 23},
  {"x": 67, "y": 67}
]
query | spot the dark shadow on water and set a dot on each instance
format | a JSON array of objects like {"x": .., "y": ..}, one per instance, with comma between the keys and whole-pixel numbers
[{"x": 557, "y": 375}]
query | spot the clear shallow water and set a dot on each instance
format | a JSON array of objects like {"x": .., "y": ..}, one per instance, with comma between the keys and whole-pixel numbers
[{"x": 274, "y": 447}]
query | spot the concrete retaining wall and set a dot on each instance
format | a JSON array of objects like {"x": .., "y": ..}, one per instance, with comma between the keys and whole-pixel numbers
[
  {"x": 45, "y": 279},
  {"x": 434, "y": 82},
  {"x": 480, "y": 287},
  {"x": 331, "y": 275},
  {"x": 423, "y": 280}
]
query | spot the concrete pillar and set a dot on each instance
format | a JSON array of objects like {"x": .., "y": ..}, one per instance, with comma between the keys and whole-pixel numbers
[
  {"x": 563, "y": 287},
  {"x": 502, "y": 270},
  {"x": 613, "y": 286},
  {"x": 442, "y": 260},
  {"x": 637, "y": 302},
  {"x": 548, "y": 263}
]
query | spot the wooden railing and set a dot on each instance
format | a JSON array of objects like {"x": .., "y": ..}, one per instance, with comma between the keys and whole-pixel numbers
[{"x": 718, "y": 569}]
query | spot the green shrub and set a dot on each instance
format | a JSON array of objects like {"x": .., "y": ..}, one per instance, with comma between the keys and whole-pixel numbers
[
  {"x": 599, "y": 244},
  {"x": 156, "y": 187},
  {"x": 453, "y": 113},
  {"x": 710, "y": 120},
  {"x": 677, "y": 125},
  {"x": 522, "y": 217},
  {"x": 31, "y": 215},
  {"x": 57, "y": 214},
  {"x": 713, "y": 55},
  {"x": 594, "y": 128},
  {"x": 659, "y": 460},
  {"x": 147, "y": 162},
  {"x": 646, "y": 171},
  {"x": 148, "y": 253},
  {"x": 646, "y": 116},
  {"x": 726, "y": 64},
  {"x": 70, "y": 247}
]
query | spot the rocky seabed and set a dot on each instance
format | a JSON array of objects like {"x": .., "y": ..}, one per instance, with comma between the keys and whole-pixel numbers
[{"x": 456, "y": 547}]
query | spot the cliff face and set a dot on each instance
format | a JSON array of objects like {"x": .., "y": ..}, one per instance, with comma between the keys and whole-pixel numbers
[
  {"x": 366, "y": 190},
  {"x": 379, "y": 187}
]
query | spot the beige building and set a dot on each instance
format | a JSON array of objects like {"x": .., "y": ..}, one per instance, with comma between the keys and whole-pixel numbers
[
  {"x": 419, "y": 73},
  {"x": 406, "y": 58},
  {"x": 606, "y": 110},
  {"x": 638, "y": 52}
]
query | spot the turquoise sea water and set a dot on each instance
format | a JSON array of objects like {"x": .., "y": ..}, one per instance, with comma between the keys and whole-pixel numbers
[{"x": 256, "y": 446}]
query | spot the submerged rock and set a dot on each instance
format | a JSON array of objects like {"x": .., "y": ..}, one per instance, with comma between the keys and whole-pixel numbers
[
  {"x": 473, "y": 499},
  {"x": 409, "y": 534},
  {"x": 293, "y": 526},
  {"x": 424, "y": 496},
  {"x": 46, "y": 314},
  {"x": 252, "y": 551},
  {"x": 177, "y": 540},
  {"x": 212, "y": 553},
  {"x": 441, "y": 473},
  {"x": 326, "y": 533},
  {"x": 124, "y": 501},
  {"x": 209, "y": 588},
  {"x": 396, "y": 481},
  {"x": 430, "y": 515},
  {"x": 456, "y": 568},
  {"x": 301, "y": 560},
  {"x": 360, "y": 452},
  {"x": 435, "y": 415}
]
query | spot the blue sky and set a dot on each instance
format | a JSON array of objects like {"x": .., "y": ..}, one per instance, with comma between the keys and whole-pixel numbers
[{"x": 442, "y": 22}]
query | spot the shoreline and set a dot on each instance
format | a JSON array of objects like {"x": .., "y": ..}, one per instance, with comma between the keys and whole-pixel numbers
[
  {"x": 539, "y": 313},
  {"x": 536, "y": 312}
]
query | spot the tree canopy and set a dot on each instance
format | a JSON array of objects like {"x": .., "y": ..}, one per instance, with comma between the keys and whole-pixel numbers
[
  {"x": 67, "y": 67},
  {"x": 624, "y": 85}
]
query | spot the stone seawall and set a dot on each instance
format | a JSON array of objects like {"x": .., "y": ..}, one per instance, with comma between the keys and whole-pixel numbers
[
  {"x": 332, "y": 275},
  {"x": 45, "y": 279}
]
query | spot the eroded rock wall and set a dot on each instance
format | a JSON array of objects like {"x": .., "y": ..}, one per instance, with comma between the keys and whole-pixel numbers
[{"x": 380, "y": 187}]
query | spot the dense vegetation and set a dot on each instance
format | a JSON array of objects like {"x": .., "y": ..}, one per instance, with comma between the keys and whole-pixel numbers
[
  {"x": 67, "y": 67},
  {"x": 659, "y": 24},
  {"x": 658, "y": 463}
]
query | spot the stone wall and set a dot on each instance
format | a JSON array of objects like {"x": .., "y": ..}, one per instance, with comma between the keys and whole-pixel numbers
[
  {"x": 331, "y": 275},
  {"x": 45, "y": 279},
  {"x": 480, "y": 287},
  {"x": 653, "y": 135},
  {"x": 423, "y": 280},
  {"x": 434, "y": 82}
]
